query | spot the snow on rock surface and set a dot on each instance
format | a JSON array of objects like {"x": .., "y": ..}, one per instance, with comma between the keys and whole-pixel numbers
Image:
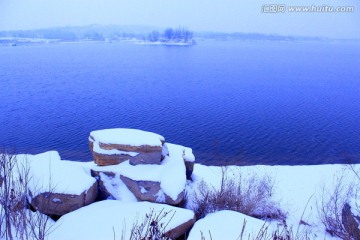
[
  {"x": 226, "y": 225},
  {"x": 113, "y": 146},
  {"x": 125, "y": 136},
  {"x": 57, "y": 187},
  {"x": 103, "y": 219},
  {"x": 110, "y": 186}
]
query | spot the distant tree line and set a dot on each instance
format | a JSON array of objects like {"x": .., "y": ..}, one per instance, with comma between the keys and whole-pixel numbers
[
  {"x": 91, "y": 32},
  {"x": 171, "y": 35}
]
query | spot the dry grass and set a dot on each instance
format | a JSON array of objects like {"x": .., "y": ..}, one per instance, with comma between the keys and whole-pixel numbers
[
  {"x": 16, "y": 220},
  {"x": 149, "y": 228},
  {"x": 283, "y": 232},
  {"x": 250, "y": 196},
  {"x": 333, "y": 201}
]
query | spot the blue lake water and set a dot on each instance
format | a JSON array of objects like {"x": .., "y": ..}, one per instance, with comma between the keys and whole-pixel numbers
[{"x": 233, "y": 102}]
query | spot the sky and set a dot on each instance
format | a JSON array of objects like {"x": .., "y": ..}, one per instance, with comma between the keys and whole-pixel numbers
[{"x": 197, "y": 15}]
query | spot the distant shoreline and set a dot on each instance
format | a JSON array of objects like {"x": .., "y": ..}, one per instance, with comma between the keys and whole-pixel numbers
[{"x": 13, "y": 42}]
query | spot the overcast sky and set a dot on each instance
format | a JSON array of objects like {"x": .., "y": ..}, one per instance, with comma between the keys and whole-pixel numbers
[{"x": 198, "y": 15}]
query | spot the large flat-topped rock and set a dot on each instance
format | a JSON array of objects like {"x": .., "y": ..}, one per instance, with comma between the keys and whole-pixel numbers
[{"x": 113, "y": 146}]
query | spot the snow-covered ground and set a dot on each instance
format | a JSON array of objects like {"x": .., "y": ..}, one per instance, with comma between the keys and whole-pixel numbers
[{"x": 297, "y": 190}]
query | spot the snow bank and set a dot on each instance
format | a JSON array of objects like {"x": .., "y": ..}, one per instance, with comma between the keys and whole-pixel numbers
[
  {"x": 103, "y": 219},
  {"x": 227, "y": 225},
  {"x": 125, "y": 136}
]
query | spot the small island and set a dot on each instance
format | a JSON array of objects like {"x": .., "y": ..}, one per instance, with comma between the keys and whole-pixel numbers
[{"x": 171, "y": 36}]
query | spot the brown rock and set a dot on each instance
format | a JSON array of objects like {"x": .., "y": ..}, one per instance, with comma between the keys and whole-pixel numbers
[
  {"x": 145, "y": 154},
  {"x": 60, "y": 203},
  {"x": 150, "y": 191},
  {"x": 181, "y": 229},
  {"x": 147, "y": 158}
]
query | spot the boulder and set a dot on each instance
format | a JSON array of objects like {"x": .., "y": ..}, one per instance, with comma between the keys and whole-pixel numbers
[
  {"x": 57, "y": 187},
  {"x": 114, "y": 146},
  {"x": 111, "y": 219},
  {"x": 59, "y": 203},
  {"x": 351, "y": 220},
  {"x": 181, "y": 229}
]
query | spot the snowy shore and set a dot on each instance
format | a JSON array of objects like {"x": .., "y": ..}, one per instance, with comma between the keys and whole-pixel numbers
[
  {"x": 157, "y": 183},
  {"x": 296, "y": 189}
]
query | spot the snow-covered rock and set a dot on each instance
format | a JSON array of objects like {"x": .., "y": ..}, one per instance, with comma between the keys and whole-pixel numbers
[
  {"x": 57, "y": 187},
  {"x": 111, "y": 219},
  {"x": 227, "y": 225},
  {"x": 164, "y": 183},
  {"x": 114, "y": 146}
]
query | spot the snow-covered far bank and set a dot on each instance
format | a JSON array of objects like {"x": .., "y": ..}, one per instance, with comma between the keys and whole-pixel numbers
[{"x": 168, "y": 43}]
